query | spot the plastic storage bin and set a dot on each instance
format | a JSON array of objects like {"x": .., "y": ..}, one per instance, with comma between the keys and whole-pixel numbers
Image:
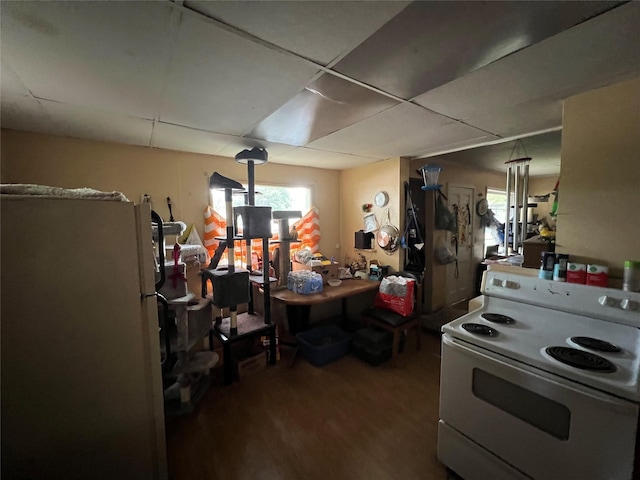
[
  {"x": 322, "y": 345},
  {"x": 372, "y": 345}
]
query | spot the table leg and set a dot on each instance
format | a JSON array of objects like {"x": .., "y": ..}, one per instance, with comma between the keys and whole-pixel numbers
[
  {"x": 298, "y": 318},
  {"x": 227, "y": 365},
  {"x": 272, "y": 345}
]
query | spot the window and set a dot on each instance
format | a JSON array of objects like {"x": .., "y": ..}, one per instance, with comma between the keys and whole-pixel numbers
[
  {"x": 497, "y": 200},
  {"x": 276, "y": 197}
]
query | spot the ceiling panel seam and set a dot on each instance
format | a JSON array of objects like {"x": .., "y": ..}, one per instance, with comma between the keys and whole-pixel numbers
[
  {"x": 322, "y": 68},
  {"x": 175, "y": 21},
  {"x": 492, "y": 142}
]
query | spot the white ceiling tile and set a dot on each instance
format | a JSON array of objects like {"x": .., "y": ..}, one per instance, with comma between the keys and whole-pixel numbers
[
  {"x": 223, "y": 83},
  {"x": 325, "y": 106},
  {"x": 318, "y": 30},
  {"x": 94, "y": 54},
  {"x": 81, "y": 122},
  {"x": 544, "y": 151},
  {"x": 434, "y": 42},
  {"x": 308, "y": 157},
  {"x": 452, "y": 137},
  {"x": 384, "y": 135},
  {"x": 21, "y": 112},
  {"x": 175, "y": 137},
  {"x": 516, "y": 120},
  {"x": 595, "y": 53}
]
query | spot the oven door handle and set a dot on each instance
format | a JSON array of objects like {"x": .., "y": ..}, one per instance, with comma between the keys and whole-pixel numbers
[{"x": 547, "y": 377}]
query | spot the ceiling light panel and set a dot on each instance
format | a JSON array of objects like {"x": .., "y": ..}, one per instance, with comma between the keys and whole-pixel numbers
[
  {"x": 318, "y": 30},
  {"x": 224, "y": 83},
  {"x": 600, "y": 51},
  {"x": 432, "y": 43},
  {"x": 328, "y": 104},
  {"x": 93, "y": 54}
]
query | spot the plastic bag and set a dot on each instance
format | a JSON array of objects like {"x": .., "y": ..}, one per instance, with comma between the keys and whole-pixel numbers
[
  {"x": 443, "y": 253},
  {"x": 396, "y": 294},
  {"x": 444, "y": 219},
  {"x": 193, "y": 248}
]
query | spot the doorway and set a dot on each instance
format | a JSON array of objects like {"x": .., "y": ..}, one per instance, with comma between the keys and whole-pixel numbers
[{"x": 460, "y": 274}]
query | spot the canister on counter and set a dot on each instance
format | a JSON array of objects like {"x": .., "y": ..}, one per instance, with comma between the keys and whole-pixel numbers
[
  {"x": 546, "y": 265},
  {"x": 560, "y": 267},
  {"x": 597, "y": 275},
  {"x": 631, "y": 279},
  {"x": 576, "y": 273}
]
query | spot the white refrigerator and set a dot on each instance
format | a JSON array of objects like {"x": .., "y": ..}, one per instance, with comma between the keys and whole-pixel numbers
[{"x": 81, "y": 380}]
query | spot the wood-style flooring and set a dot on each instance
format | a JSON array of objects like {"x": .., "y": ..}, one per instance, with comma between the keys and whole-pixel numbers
[{"x": 345, "y": 420}]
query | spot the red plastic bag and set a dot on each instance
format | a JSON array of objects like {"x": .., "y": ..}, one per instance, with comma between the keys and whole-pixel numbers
[{"x": 402, "y": 305}]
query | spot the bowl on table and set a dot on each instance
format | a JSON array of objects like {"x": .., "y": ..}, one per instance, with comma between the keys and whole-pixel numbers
[{"x": 335, "y": 283}]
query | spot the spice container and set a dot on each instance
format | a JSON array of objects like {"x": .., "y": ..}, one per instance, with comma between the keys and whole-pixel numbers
[
  {"x": 560, "y": 267},
  {"x": 597, "y": 275},
  {"x": 546, "y": 265},
  {"x": 631, "y": 279},
  {"x": 576, "y": 273}
]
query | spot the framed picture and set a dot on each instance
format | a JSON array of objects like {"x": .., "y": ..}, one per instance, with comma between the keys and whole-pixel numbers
[{"x": 370, "y": 222}]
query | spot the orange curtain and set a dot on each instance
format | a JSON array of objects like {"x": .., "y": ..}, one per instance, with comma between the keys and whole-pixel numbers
[
  {"x": 216, "y": 226},
  {"x": 308, "y": 228}
]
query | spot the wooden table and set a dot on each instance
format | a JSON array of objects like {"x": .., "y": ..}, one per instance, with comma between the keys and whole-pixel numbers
[{"x": 299, "y": 305}]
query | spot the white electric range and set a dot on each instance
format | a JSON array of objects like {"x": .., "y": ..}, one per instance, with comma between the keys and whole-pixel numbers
[{"x": 542, "y": 382}]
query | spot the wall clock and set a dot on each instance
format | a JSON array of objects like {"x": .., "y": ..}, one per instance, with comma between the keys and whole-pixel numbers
[
  {"x": 482, "y": 206},
  {"x": 381, "y": 198}
]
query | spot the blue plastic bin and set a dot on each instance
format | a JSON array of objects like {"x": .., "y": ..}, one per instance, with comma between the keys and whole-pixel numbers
[{"x": 325, "y": 344}]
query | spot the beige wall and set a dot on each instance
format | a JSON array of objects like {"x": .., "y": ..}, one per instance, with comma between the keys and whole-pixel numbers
[
  {"x": 357, "y": 187},
  {"x": 72, "y": 163},
  {"x": 600, "y": 177}
]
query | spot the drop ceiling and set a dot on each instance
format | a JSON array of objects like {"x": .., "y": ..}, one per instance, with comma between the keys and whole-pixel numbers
[{"x": 324, "y": 84}]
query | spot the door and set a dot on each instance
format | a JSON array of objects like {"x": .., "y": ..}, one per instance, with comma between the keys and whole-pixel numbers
[{"x": 459, "y": 277}]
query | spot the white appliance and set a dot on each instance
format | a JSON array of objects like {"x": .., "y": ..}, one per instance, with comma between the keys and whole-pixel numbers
[
  {"x": 542, "y": 382},
  {"x": 81, "y": 374}
]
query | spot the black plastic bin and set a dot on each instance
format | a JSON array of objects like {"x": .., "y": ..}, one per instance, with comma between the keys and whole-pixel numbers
[{"x": 322, "y": 345}]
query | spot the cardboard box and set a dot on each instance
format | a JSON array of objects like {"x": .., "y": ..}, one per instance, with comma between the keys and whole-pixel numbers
[{"x": 328, "y": 272}]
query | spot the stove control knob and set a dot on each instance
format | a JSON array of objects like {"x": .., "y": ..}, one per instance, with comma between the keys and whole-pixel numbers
[
  {"x": 510, "y": 284},
  {"x": 607, "y": 301},
  {"x": 496, "y": 282},
  {"x": 627, "y": 304}
]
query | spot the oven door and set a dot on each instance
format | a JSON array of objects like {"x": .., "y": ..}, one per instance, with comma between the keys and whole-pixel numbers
[{"x": 543, "y": 425}]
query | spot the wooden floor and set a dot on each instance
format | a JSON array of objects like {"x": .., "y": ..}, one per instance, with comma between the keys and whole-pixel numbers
[{"x": 345, "y": 420}]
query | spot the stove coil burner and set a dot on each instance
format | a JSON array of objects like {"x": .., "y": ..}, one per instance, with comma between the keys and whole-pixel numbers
[
  {"x": 581, "y": 359},
  {"x": 596, "y": 344},
  {"x": 480, "y": 329},
  {"x": 497, "y": 318}
]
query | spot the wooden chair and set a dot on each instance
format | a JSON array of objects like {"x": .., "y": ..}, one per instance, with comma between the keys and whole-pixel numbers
[{"x": 394, "y": 322}]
